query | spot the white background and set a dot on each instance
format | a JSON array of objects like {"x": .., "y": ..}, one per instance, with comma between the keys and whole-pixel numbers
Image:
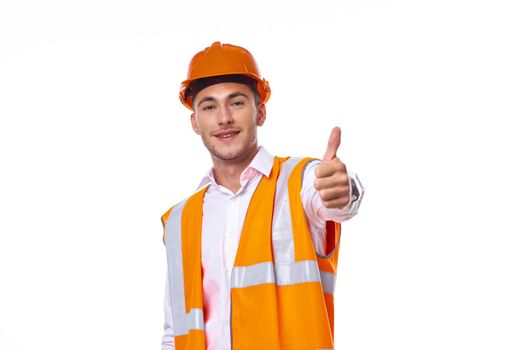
[{"x": 95, "y": 146}]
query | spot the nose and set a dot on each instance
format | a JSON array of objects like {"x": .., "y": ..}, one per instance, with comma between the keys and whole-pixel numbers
[{"x": 224, "y": 116}]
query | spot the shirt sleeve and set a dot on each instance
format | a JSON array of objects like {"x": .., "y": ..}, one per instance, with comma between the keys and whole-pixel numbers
[
  {"x": 168, "y": 341},
  {"x": 318, "y": 214}
]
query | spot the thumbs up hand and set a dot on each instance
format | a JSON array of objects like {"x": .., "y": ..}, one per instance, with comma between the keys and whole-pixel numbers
[{"x": 333, "y": 182}]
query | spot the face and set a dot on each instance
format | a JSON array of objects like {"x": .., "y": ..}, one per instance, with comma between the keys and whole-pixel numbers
[{"x": 226, "y": 118}]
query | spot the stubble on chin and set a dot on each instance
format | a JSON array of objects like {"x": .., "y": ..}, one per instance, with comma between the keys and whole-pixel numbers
[
  {"x": 222, "y": 155},
  {"x": 228, "y": 155}
]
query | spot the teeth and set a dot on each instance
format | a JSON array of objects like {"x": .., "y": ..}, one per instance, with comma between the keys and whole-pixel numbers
[{"x": 226, "y": 136}]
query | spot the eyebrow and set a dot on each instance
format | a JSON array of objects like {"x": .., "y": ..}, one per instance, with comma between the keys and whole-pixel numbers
[{"x": 230, "y": 96}]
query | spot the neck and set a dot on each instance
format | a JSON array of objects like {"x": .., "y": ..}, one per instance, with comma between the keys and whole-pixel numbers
[{"x": 227, "y": 173}]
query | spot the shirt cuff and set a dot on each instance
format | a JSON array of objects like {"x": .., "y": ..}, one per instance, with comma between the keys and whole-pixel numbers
[{"x": 357, "y": 194}]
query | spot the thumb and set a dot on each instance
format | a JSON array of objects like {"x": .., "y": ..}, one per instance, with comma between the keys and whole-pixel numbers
[{"x": 333, "y": 144}]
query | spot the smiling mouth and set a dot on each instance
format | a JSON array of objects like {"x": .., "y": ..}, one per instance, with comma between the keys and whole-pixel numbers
[{"x": 226, "y": 135}]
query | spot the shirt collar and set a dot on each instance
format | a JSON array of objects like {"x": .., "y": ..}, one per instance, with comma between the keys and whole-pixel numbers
[{"x": 261, "y": 163}]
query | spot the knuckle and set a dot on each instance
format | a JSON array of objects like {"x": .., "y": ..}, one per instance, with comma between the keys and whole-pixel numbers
[
  {"x": 344, "y": 179},
  {"x": 338, "y": 164},
  {"x": 321, "y": 184},
  {"x": 344, "y": 191}
]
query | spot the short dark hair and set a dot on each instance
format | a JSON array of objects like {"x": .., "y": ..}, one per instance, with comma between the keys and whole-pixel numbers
[{"x": 199, "y": 84}]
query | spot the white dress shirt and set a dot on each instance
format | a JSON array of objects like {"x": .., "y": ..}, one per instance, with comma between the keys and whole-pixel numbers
[{"x": 222, "y": 222}]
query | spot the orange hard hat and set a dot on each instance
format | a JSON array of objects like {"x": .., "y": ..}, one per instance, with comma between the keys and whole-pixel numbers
[{"x": 223, "y": 59}]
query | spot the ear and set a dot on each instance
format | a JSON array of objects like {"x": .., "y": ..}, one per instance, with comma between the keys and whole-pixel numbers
[
  {"x": 261, "y": 114},
  {"x": 194, "y": 124}
]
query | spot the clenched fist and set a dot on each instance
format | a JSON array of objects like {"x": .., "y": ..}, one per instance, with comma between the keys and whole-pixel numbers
[{"x": 333, "y": 182}]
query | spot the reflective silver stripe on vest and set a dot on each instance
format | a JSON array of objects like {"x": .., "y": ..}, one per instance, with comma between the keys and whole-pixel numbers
[
  {"x": 328, "y": 282},
  {"x": 282, "y": 234},
  {"x": 299, "y": 272},
  {"x": 252, "y": 275},
  {"x": 193, "y": 320},
  {"x": 175, "y": 269},
  {"x": 282, "y": 275}
]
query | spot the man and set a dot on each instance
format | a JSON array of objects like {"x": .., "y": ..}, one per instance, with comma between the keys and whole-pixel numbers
[{"x": 252, "y": 255}]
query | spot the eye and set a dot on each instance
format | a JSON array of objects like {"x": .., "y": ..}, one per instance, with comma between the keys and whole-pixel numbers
[
  {"x": 208, "y": 108},
  {"x": 237, "y": 103}
]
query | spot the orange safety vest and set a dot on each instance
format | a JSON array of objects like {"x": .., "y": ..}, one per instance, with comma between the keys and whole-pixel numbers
[{"x": 281, "y": 290}]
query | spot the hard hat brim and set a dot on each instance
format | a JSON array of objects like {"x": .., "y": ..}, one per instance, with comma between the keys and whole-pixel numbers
[{"x": 263, "y": 87}]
